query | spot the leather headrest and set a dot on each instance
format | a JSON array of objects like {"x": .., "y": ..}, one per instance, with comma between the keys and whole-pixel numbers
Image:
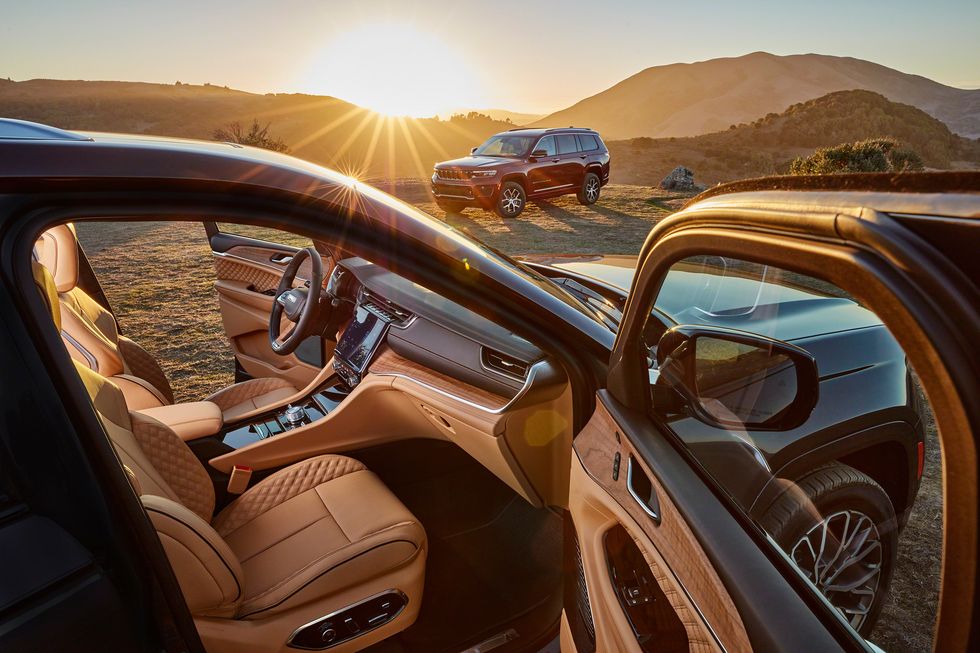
[
  {"x": 45, "y": 284},
  {"x": 57, "y": 250}
]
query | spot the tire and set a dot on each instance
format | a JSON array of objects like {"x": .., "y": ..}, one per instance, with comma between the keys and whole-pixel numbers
[
  {"x": 841, "y": 501},
  {"x": 451, "y": 207},
  {"x": 510, "y": 200},
  {"x": 588, "y": 193}
]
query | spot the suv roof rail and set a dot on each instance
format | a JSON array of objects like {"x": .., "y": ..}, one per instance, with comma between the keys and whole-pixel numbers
[
  {"x": 23, "y": 130},
  {"x": 552, "y": 129}
]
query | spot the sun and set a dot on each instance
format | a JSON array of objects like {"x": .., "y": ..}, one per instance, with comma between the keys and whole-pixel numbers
[{"x": 394, "y": 69}]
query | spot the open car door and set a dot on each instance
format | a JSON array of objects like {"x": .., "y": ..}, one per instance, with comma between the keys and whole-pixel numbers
[
  {"x": 666, "y": 549},
  {"x": 248, "y": 269}
]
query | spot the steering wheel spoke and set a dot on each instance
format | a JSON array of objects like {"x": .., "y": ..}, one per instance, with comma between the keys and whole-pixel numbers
[{"x": 298, "y": 305}]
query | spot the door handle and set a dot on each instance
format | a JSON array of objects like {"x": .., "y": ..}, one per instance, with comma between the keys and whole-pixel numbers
[
  {"x": 555, "y": 160},
  {"x": 582, "y": 156},
  {"x": 642, "y": 491},
  {"x": 283, "y": 259}
]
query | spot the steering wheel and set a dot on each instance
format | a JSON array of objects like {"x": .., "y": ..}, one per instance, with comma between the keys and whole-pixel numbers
[{"x": 300, "y": 305}]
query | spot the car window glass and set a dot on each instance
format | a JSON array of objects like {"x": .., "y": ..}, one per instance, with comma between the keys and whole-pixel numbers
[
  {"x": 505, "y": 145},
  {"x": 840, "y": 466},
  {"x": 567, "y": 144},
  {"x": 548, "y": 145},
  {"x": 275, "y": 236},
  {"x": 587, "y": 143}
]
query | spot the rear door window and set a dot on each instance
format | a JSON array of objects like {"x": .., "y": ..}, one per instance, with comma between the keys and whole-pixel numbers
[{"x": 567, "y": 144}]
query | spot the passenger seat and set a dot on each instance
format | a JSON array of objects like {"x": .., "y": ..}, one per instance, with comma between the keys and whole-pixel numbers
[
  {"x": 306, "y": 542},
  {"x": 92, "y": 338}
]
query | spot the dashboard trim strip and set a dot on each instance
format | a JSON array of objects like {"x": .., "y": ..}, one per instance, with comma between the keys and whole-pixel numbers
[{"x": 493, "y": 411}]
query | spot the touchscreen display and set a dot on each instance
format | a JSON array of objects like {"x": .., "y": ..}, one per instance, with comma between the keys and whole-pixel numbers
[{"x": 360, "y": 339}]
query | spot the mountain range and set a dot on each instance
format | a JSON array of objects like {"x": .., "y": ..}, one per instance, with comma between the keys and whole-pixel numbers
[
  {"x": 768, "y": 145},
  {"x": 725, "y": 118},
  {"x": 709, "y": 96}
]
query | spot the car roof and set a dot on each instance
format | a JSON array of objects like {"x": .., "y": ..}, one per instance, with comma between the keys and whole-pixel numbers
[{"x": 541, "y": 131}]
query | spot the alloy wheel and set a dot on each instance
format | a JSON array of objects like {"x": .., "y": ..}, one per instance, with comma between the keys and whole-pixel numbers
[
  {"x": 592, "y": 189},
  {"x": 510, "y": 201},
  {"x": 842, "y": 555}
]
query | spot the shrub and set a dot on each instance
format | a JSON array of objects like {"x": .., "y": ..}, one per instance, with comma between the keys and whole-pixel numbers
[
  {"x": 872, "y": 155},
  {"x": 256, "y": 135}
]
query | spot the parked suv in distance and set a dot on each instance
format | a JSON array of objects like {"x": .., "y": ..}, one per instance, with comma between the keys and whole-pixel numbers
[{"x": 521, "y": 164}]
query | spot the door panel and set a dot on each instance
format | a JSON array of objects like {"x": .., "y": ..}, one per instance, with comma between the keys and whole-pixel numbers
[
  {"x": 246, "y": 277},
  {"x": 599, "y": 503}
]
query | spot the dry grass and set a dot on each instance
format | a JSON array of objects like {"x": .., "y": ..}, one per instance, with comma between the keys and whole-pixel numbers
[{"x": 159, "y": 276}]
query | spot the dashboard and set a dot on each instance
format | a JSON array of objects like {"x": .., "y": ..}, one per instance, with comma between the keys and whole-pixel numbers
[{"x": 428, "y": 329}]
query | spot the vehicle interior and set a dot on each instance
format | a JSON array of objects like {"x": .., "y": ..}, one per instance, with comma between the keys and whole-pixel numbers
[{"x": 385, "y": 471}]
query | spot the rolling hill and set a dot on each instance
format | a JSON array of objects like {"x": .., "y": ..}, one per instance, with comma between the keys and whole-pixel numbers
[
  {"x": 708, "y": 96},
  {"x": 318, "y": 128},
  {"x": 768, "y": 145}
]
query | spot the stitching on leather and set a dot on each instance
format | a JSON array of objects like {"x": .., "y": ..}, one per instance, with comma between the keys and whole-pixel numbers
[
  {"x": 221, "y": 521},
  {"x": 327, "y": 571},
  {"x": 204, "y": 539}
]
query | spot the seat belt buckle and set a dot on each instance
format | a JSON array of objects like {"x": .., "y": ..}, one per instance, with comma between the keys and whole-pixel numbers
[{"x": 238, "y": 481}]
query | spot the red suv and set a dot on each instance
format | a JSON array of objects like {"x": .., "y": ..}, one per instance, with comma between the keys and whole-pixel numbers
[{"x": 521, "y": 164}]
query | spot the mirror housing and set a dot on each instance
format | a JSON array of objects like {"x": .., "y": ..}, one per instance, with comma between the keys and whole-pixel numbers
[
  {"x": 539, "y": 154},
  {"x": 733, "y": 379}
]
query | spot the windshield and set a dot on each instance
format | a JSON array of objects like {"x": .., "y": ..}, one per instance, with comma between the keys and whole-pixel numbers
[{"x": 506, "y": 145}]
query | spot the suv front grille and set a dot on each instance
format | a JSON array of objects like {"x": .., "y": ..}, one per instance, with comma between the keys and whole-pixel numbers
[{"x": 452, "y": 174}]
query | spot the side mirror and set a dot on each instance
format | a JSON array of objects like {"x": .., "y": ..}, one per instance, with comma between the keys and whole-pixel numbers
[
  {"x": 473, "y": 150},
  {"x": 539, "y": 154},
  {"x": 733, "y": 379}
]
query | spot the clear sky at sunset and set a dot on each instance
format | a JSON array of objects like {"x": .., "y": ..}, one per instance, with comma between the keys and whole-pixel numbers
[{"x": 436, "y": 56}]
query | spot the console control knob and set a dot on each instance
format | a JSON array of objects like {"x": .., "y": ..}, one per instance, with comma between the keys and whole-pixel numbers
[
  {"x": 295, "y": 414},
  {"x": 328, "y": 635}
]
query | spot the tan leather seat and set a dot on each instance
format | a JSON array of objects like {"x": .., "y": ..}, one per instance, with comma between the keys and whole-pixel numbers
[
  {"x": 92, "y": 338},
  {"x": 301, "y": 544}
]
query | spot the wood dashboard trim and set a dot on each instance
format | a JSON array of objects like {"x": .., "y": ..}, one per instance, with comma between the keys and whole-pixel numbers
[{"x": 596, "y": 447}]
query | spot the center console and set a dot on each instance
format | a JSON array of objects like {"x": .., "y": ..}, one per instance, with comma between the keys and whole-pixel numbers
[{"x": 372, "y": 317}]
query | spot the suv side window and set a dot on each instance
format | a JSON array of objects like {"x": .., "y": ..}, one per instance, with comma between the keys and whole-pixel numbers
[
  {"x": 587, "y": 142},
  {"x": 548, "y": 145},
  {"x": 844, "y": 511},
  {"x": 567, "y": 144}
]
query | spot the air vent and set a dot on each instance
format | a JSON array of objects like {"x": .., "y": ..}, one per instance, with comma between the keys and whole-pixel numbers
[
  {"x": 504, "y": 364},
  {"x": 384, "y": 308}
]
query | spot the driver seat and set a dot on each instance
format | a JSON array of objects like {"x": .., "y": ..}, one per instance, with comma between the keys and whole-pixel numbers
[{"x": 91, "y": 336}]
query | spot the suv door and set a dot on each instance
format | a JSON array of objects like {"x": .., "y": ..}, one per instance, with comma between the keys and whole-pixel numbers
[
  {"x": 248, "y": 263},
  {"x": 572, "y": 160},
  {"x": 543, "y": 173},
  {"x": 660, "y": 555}
]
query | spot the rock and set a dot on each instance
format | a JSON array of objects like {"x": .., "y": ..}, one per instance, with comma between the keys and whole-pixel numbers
[{"x": 680, "y": 178}]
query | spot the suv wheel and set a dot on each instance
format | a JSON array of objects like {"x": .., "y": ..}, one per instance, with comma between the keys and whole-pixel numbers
[
  {"x": 510, "y": 200},
  {"x": 589, "y": 192},
  {"x": 450, "y": 207},
  {"x": 839, "y": 527}
]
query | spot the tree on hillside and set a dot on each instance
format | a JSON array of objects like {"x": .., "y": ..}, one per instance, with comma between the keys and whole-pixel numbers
[
  {"x": 872, "y": 155},
  {"x": 256, "y": 135}
]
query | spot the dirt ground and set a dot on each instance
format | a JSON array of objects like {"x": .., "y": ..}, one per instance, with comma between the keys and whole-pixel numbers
[{"x": 158, "y": 278}]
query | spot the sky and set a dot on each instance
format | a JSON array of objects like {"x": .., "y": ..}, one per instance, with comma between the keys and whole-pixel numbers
[{"x": 431, "y": 57}]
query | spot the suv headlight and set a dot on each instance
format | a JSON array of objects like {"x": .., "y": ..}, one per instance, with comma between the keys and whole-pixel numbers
[{"x": 480, "y": 174}]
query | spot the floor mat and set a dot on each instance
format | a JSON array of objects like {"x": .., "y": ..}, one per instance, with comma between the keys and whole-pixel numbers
[{"x": 493, "y": 558}]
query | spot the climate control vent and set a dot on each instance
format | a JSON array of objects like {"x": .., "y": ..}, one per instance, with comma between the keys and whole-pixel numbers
[
  {"x": 385, "y": 309},
  {"x": 504, "y": 364}
]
